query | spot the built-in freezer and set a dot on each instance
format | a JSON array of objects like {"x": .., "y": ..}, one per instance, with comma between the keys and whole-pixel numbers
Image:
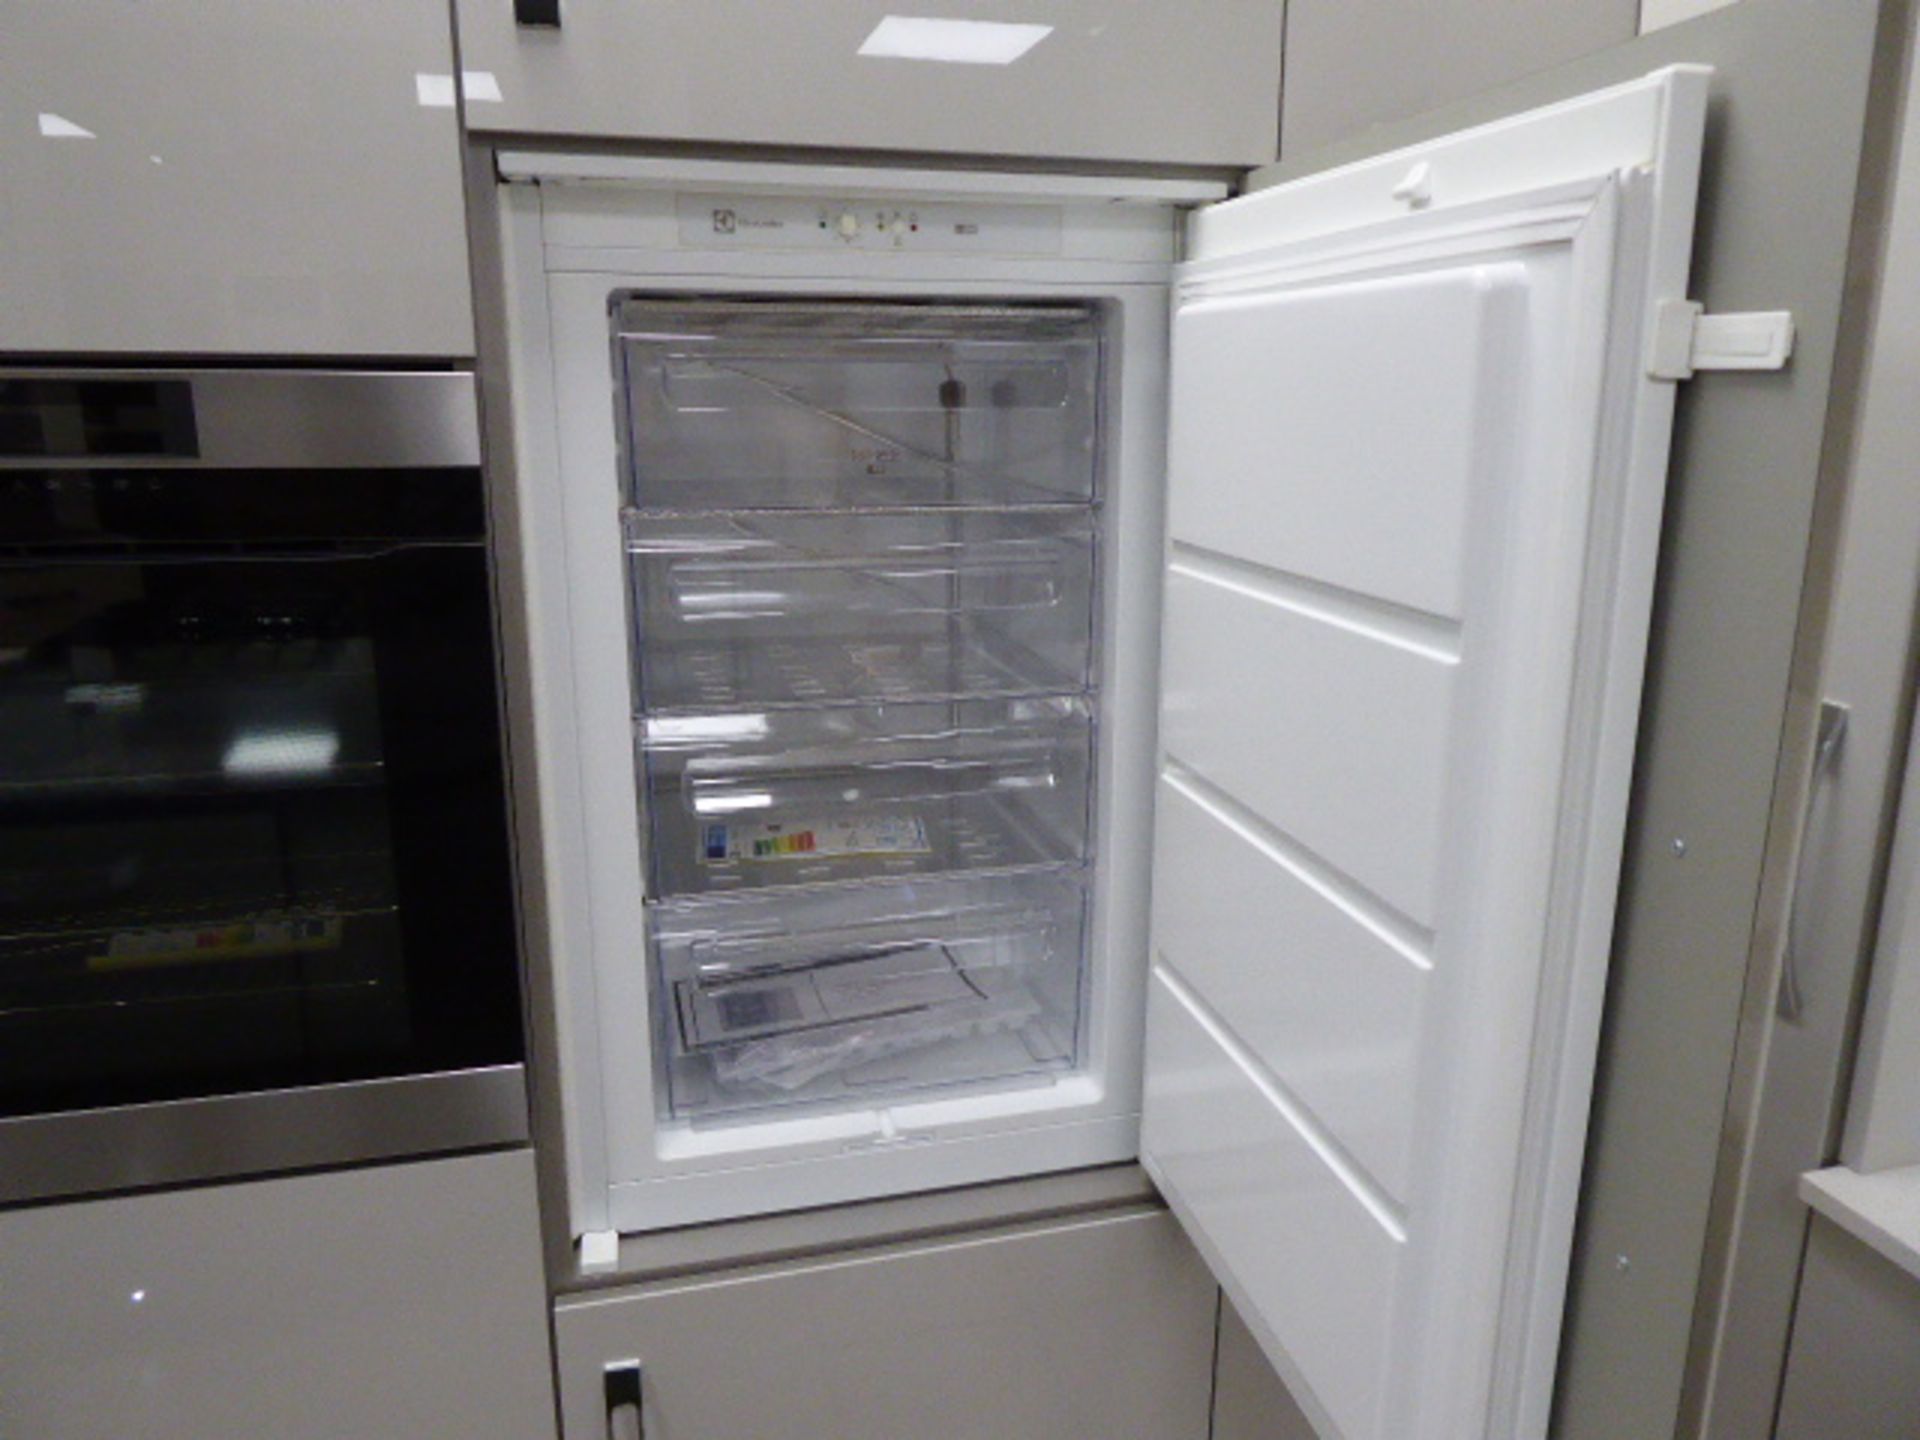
[
  {"x": 1021, "y": 679},
  {"x": 847, "y": 555}
]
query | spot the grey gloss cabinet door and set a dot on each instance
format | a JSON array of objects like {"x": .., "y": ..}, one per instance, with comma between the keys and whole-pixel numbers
[
  {"x": 1355, "y": 63},
  {"x": 231, "y": 177},
  {"x": 392, "y": 1301},
  {"x": 1853, "y": 1369},
  {"x": 1101, "y": 1326},
  {"x": 1117, "y": 80}
]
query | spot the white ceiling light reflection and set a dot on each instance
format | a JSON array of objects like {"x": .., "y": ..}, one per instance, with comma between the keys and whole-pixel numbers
[
  {"x": 956, "y": 42},
  {"x": 435, "y": 90},
  {"x": 276, "y": 754},
  {"x": 58, "y": 127}
]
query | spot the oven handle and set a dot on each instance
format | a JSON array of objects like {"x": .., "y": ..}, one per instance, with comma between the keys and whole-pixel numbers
[
  {"x": 172, "y": 1142},
  {"x": 278, "y": 419}
]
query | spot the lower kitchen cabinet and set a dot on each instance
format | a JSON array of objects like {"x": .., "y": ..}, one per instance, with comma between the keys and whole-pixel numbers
[
  {"x": 388, "y": 1302},
  {"x": 1250, "y": 1402},
  {"x": 1097, "y": 1326},
  {"x": 1853, "y": 1367}
]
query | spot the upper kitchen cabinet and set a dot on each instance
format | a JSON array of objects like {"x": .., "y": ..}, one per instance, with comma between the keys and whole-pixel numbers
[
  {"x": 1355, "y": 63},
  {"x": 1109, "y": 80},
  {"x": 231, "y": 177}
]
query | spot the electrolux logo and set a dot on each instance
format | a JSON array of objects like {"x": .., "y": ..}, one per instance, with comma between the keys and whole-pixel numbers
[{"x": 723, "y": 222}]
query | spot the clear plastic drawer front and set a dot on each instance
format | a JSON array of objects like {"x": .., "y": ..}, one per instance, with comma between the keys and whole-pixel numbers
[
  {"x": 765, "y": 404},
  {"x": 782, "y": 609},
  {"x": 859, "y": 994},
  {"x": 750, "y": 800}
]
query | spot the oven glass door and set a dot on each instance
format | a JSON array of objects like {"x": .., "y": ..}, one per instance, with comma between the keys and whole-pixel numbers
[{"x": 252, "y": 820}]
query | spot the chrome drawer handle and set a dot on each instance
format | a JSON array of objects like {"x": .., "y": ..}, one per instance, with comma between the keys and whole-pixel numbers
[{"x": 622, "y": 1382}]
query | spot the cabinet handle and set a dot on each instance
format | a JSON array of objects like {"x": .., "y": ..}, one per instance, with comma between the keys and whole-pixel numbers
[
  {"x": 621, "y": 1380},
  {"x": 537, "y": 12},
  {"x": 1790, "y": 1001}
]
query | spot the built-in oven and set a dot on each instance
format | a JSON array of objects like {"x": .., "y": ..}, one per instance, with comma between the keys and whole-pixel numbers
[{"x": 256, "y": 907}]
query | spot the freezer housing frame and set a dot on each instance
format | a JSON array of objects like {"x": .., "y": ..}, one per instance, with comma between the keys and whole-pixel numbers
[{"x": 567, "y": 250}]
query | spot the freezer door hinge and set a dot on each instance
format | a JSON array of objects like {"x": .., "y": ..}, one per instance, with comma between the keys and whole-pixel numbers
[{"x": 1686, "y": 339}]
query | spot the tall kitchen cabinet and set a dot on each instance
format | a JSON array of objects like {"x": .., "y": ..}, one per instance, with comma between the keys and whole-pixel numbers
[
  {"x": 1410, "y": 58},
  {"x": 225, "y": 177},
  {"x": 1368, "y": 1045},
  {"x": 1340, "y": 1217}
]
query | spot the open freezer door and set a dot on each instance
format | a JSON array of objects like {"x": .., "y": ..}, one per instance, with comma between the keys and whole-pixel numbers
[{"x": 1417, "y": 467}]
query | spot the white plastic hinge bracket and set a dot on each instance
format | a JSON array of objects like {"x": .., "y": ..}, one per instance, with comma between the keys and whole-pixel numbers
[
  {"x": 1416, "y": 186},
  {"x": 599, "y": 1249},
  {"x": 1686, "y": 339}
]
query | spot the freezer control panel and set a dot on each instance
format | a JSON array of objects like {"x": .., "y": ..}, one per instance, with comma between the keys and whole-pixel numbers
[{"x": 778, "y": 222}]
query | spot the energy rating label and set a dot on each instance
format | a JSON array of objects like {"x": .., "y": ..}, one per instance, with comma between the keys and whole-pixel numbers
[{"x": 723, "y": 843}]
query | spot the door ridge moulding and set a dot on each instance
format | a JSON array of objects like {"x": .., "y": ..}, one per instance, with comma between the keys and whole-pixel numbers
[
  {"x": 1405, "y": 935},
  {"x": 1425, "y": 633},
  {"x": 1386, "y": 1210}
]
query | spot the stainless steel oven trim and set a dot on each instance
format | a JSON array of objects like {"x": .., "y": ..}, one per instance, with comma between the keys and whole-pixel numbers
[
  {"x": 299, "y": 419},
  {"x": 223, "y": 1137}
]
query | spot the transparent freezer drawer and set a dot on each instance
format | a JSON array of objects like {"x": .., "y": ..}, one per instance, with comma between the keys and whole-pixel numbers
[
  {"x": 846, "y": 997},
  {"x": 755, "y": 404},
  {"x": 743, "y": 801},
  {"x": 772, "y": 609}
]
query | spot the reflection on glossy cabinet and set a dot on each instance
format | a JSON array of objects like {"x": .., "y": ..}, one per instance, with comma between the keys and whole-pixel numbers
[
  {"x": 1100, "y": 1326},
  {"x": 231, "y": 177},
  {"x": 392, "y": 1301},
  {"x": 1195, "y": 83},
  {"x": 1355, "y": 63}
]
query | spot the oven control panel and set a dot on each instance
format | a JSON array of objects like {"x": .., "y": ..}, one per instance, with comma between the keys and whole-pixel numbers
[{"x": 780, "y": 222}]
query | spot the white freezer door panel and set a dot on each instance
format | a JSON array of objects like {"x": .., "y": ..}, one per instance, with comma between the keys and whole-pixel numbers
[
  {"x": 1401, "y": 372},
  {"x": 1337, "y": 1013},
  {"x": 1229, "y": 1134},
  {"x": 1349, "y": 770},
  {"x": 1416, "y": 473}
]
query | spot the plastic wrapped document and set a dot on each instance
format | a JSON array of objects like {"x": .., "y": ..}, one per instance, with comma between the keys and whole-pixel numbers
[{"x": 789, "y": 1029}]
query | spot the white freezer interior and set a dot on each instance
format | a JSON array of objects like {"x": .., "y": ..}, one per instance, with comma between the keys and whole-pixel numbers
[{"x": 862, "y": 541}]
